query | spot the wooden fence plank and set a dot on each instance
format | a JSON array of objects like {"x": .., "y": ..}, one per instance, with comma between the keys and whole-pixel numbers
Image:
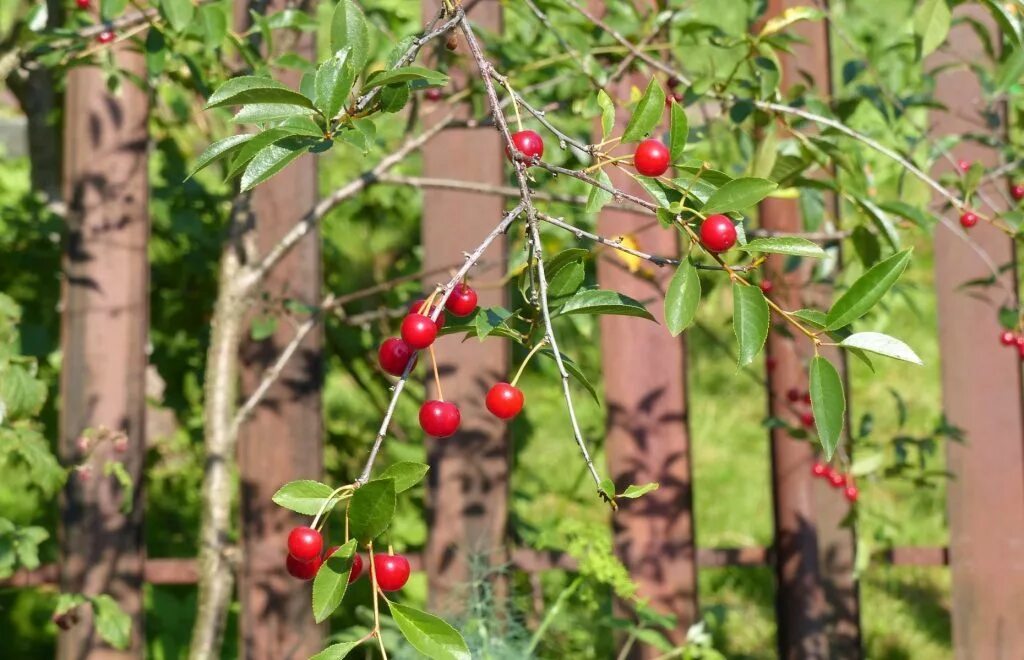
[
  {"x": 816, "y": 597},
  {"x": 982, "y": 390},
  {"x": 104, "y": 334},
  {"x": 468, "y": 480},
  {"x": 283, "y": 439}
]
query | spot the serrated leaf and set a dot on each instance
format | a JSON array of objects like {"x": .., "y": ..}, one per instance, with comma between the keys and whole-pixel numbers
[
  {"x": 348, "y": 28},
  {"x": 255, "y": 89},
  {"x": 371, "y": 509},
  {"x": 633, "y": 492},
  {"x": 867, "y": 290},
  {"x": 750, "y": 321},
  {"x": 598, "y": 197},
  {"x": 333, "y": 82},
  {"x": 272, "y": 159},
  {"x": 112, "y": 623},
  {"x": 303, "y": 496},
  {"x": 607, "y": 113},
  {"x": 882, "y": 344},
  {"x": 932, "y": 19},
  {"x": 682, "y": 298},
  {"x": 178, "y": 13},
  {"x": 647, "y": 114},
  {"x": 489, "y": 319},
  {"x": 600, "y": 301},
  {"x": 405, "y": 474},
  {"x": 336, "y": 651},
  {"x": 678, "y": 131},
  {"x": 738, "y": 194},
  {"x": 417, "y": 74},
  {"x": 828, "y": 403},
  {"x": 219, "y": 149},
  {"x": 428, "y": 634},
  {"x": 251, "y": 147},
  {"x": 800, "y": 247},
  {"x": 264, "y": 113},
  {"x": 566, "y": 281},
  {"x": 331, "y": 581}
]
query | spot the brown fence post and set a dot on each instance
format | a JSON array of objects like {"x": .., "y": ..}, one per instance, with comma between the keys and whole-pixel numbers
[
  {"x": 103, "y": 339},
  {"x": 467, "y": 487},
  {"x": 816, "y": 594},
  {"x": 647, "y": 437},
  {"x": 283, "y": 440},
  {"x": 982, "y": 390}
]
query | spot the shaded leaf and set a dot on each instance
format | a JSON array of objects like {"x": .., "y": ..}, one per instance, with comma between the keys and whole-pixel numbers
[
  {"x": 598, "y": 197},
  {"x": 600, "y": 301},
  {"x": 738, "y": 194},
  {"x": 678, "y": 131},
  {"x": 867, "y": 290},
  {"x": 219, "y": 149},
  {"x": 255, "y": 89},
  {"x": 428, "y": 77},
  {"x": 682, "y": 298},
  {"x": 607, "y": 113},
  {"x": 428, "y": 634},
  {"x": 371, "y": 509},
  {"x": 331, "y": 581},
  {"x": 750, "y": 321},
  {"x": 828, "y": 403},
  {"x": 272, "y": 159},
  {"x": 647, "y": 114},
  {"x": 573, "y": 370}
]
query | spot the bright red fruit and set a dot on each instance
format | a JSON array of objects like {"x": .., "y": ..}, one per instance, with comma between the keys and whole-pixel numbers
[
  {"x": 357, "y": 568},
  {"x": 819, "y": 469},
  {"x": 968, "y": 220},
  {"x": 1017, "y": 192},
  {"x": 394, "y": 354},
  {"x": 835, "y": 478},
  {"x": 439, "y": 419},
  {"x": 305, "y": 544},
  {"x": 807, "y": 419},
  {"x": 105, "y": 37},
  {"x": 1020, "y": 340},
  {"x": 433, "y": 94},
  {"x": 504, "y": 400},
  {"x": 851, "y": 493},
  {"x": 1007, "y": 338},
  {"x": 1020, "y": 351},
  {"x": 462, "y": 302},
  {"x": 766, "y": 286},
  {"x": 651, "y": 158},
  {"x": 793, "y": 395},
  {"x": 417, "y": 305},
  {"x": 964, "y": 165},
  {"x": 530, "y": 143},
  {"x": 303, "y": 570},
  {"x": 82, "y": 4},
  {"x": 391, "y": 571},
  {"x": 418, "y": 331},
  {"x": 717, "y": 233}
]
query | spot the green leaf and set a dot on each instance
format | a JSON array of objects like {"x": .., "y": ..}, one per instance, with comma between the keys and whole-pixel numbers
[
  {"x": 303, "y": 496},
  {"x": 263, "y": 327},
  {"x": 371, "y": 509},
  {"x": 111, "y": 9},
  {"x": 120, "y": 473},
  {"x": 682, "y": 298},
  {"x": 264, "y": 113},
  {"x": 427, "y": 77},
  {"x": 828, "y": 403},
  {"x": 215, "y": 24},
  {"x": 598, "y": 197},
  {"x": 394, "y": 97},
  {"x": 882, "y": 344},
  {"x": 21, "y": 394},
  {"x": 867, "y": 290},
  {"x": 607, "y": 113},
  {"x": 647, "y": 114},
  {"x": 251, "y": 147},
  {"x": 331, "y": 581},
  {"x": 566, "y": 281},
  {"x": 489, "y": 319},
  {"x": 750, "y": 321},
  {"x": 866, "y": 464},
  {"x": 633, "y": 492},
  {"x": 178, "y": 13},
  {"x": 272, "y": 159},
  {"x": 219, "y": 149},
  {"x": 573, "y": 370},
  {"x": 607, "y": 486},
  {"x": 918, "y": 215},
  {"x": 932, "y": 19},
  {"x": 738, "y": 194},
  {"x": 790, "y": 16},
  {"x": 112, "y": 623},
  {"x": 336, "y": 651},
  {"x": 405, "y": 474},
  {"x": 800, "y": 247},
  {"x": 348, "y": 28},
  {"x": 255, "y": 89},
  {"x": 333, "y": 82},
  {"x": 1006, "y": 15},
  {"x": 882, "y": 222},
  {"x": 428, "y": 634},
  {"x": 678, "y": 131},
  {"x": 599, "y": 301}
]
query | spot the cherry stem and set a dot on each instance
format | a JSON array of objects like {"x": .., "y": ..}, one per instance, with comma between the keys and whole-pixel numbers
[
  {"x": 327, "y": 502},
  {"x": 529, "y": 355},
  {"x": 437, "y": 376},
  {"x": 376, "y": 606}
]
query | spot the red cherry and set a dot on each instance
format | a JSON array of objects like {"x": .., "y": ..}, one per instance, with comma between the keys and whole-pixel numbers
[
  {"x": 394, "y": 354},
  {"x": 1007, "y": 338},
  {"x": 1017, "y": 192},
  {"x": 677, "y": 97},
  {"x": 530, "y": 143},
  {"x": 357, "y": 568},
  {"x": 717, "y": 233},
  {"x": 770, "y": 363},
  {"x": 766, "y": 286},
  {"x": 391, "y": 571},
  {"x": 462, "y": 302},
  {"x": 504, "y": 400},
  {"x": 851, "y": 493},
  {"x": 806, "y": 397},
  {"x": 439, "y": 419},
  {"x": 1020, "y": 340},
  {"x": 672, "y": 82},
  {"x": 835, "y": 478},
  {"x": 793, "y": 395},
  {"x": 968, "y": 220},
  {"x": 418, "y": 331},
  {"x": 105, "y": 37},
  {"x": 807, "y": 419},
  {"x": 819, "y": 469},
  {"x": 669, "y": 100},
  {"x": 82, "y": 4},
  {"x": 1020, "y": 351},
  {"x": 433, "y": 94},
  {"x": 964, "y": 165},
  {"x": 303, "y": 570},
  {"x": 305, "y": 544},
  {"x": 651, "y": 158},
  {"x": 417, "y": 305}
]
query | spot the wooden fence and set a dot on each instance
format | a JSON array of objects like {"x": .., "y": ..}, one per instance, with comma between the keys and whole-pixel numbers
[{"x": 648, "y": 437}]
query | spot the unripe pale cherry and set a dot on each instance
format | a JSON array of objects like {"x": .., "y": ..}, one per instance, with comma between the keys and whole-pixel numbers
[
  {"x": 717, "y": 233},
  {"x": 462, "y": 302},
  {"x": 440, "y": 419},
  {"x": 305, "y": 544},
  {"x": 651, "y": 158},
  {"x": 504, "y": 400},
  {"x": 418, "y": 331},
  {"x": 391, "y": 571},
  {"x": 530, "y": 143}
]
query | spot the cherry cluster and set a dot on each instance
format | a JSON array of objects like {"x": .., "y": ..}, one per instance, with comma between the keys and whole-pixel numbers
[
  {"x": 837, "y": 479},
  {"x": 969, "y": 218},
  {"x": 1010, "y": 338},
  {"x": 304, "y": 560}
]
